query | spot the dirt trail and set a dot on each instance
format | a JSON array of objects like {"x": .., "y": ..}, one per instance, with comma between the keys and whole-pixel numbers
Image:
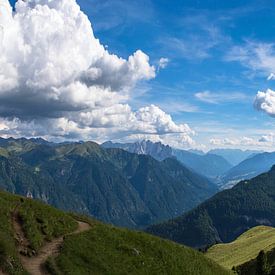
[{"x": 34, "y": 264}]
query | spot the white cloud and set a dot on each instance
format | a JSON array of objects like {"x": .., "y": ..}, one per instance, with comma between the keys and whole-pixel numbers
[
  {"x": 265, "y": 141},
  {"x": 259, "y": 57},
  {"x": 153, "y": 120},
  {"x": 179, "y": 107},
  {"x": 216, "y": 98},
  {"x": 244, "y": 141},
  {"x": 271, "y": 76},
  {"x": 265, "y": 101},
  {"x": 199, "y": 36},
  {"x": 57, "y": 80},
  {"x": 163, "y": 63},
  {"x": 49, "y": 48},
  {"x": 270, "y": 138}
]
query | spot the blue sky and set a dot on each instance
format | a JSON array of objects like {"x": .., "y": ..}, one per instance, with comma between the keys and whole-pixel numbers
[
  {"x": 197, "y": 37},
  {"x": 213, "y": 73}
]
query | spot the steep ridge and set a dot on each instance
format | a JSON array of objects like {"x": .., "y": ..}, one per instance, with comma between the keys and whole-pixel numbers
[{"x": 226, "y": 215}]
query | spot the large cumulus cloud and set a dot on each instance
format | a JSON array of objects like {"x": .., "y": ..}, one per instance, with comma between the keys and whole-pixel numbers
[{"x": 56, "y": 78}]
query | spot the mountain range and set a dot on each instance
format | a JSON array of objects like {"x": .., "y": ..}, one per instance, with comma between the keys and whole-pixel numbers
[
  {"x": 217, "y": 164},
  {"x": 226, "y": 215},
  {"x": 208, "y": 165},
  {"x": 112, "y": 185}
]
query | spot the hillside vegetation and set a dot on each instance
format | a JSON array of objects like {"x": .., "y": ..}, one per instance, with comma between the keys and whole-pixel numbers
[
  {"x": 40, "y": 223},
  {"x": 226, "y": 215},
  {"x": 245, "y": 248},
  {"x": 103, "y": 249},
  {"x": 110, "y": 250}
]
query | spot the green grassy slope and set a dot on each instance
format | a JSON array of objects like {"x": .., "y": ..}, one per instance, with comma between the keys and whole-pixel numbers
[
  {"x": 244, "y": 248},
  {"x": 102, "y": 250},
  {"x": 40, "y": 223},
  {"x": 110, "y": 250}
]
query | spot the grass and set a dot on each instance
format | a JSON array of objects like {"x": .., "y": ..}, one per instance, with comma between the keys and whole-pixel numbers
[
  {"x": 43, "y": 223},
  {"x": 110, "y": 250},
  {"x": 9, "y": 261},
  {"x": 244, "y": 248},
  {"x": 40, "y": 223}
]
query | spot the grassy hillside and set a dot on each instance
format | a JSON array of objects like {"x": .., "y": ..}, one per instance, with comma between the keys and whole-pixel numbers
[
  {"x": 244, "y": 248},
  {"x": 226, "y": 215},
  {"x": 110, "y": 250},
  {"x": 40, "y": 223},
  {"x": 103, "y": 249}
]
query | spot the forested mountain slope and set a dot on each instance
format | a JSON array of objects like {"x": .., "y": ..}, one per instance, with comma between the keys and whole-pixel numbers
[
  {"x": 110, "y": 184},
  {"x": 226, "y": 215}
]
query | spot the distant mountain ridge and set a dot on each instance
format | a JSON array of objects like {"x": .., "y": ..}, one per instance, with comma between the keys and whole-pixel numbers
[
  {"x": 112, "y": 185},
  {"x": 208, "y": 165},
  {"x": 234, "y": 156},
  {"x": 226, "y": 215},
  {"x": 248, "y": 169}
]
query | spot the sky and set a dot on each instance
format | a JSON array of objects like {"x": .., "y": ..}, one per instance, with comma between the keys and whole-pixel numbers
[{"x": 192, "y": 74}]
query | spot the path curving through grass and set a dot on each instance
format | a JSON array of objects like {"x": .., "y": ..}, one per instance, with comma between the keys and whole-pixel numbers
[{"x": 35, "y": 264}]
